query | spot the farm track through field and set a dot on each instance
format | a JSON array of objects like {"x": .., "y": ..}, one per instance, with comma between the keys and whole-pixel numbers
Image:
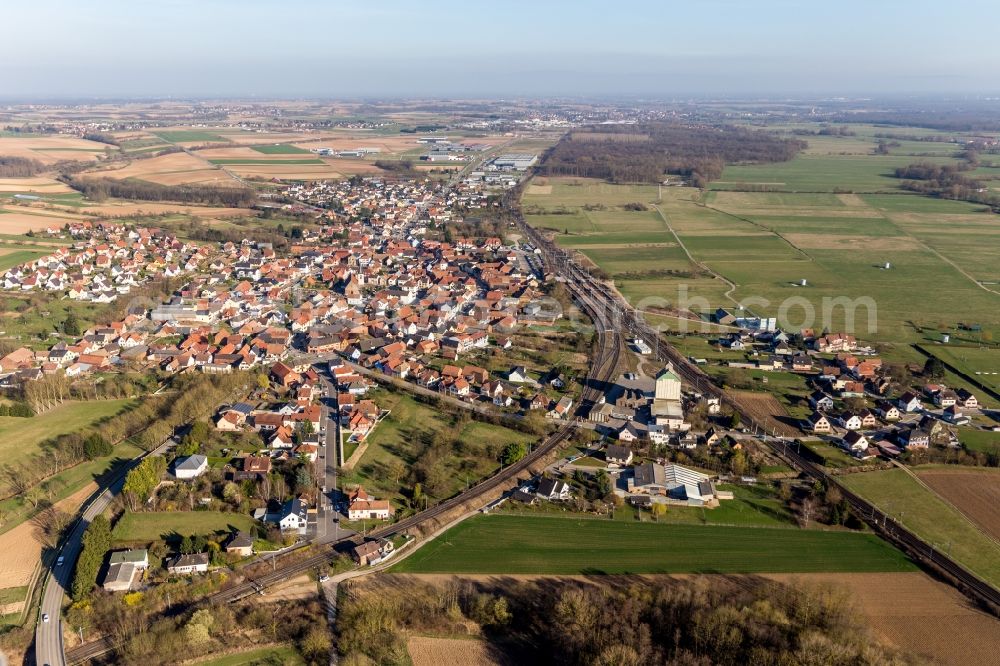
[{"x": 732, "y": 285}]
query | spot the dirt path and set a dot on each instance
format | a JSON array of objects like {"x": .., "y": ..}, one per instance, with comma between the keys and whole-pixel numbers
[{"x": 732, "y": 285}]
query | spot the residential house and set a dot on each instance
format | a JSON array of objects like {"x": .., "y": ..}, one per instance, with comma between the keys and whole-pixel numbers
[
  {"x": 190, "y": 467},
  {"x": 241, "y": 544},
  {"x": 909, "y": 402},
  {"x": 855, "y": 443},
  {"x": 372, "y": 552},
  {"x": 618, "y": 455},
  {"x": 362, "y": 506},
  {"x": 818, "y": 423},
  {"x": 553, "y": 489},
  {"x": 188, "y": 564}
]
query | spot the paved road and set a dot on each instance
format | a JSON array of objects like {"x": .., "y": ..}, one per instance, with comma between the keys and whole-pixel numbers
[
  {"x": 48, "y": 635},
  {"x": 328, "y": 520}
]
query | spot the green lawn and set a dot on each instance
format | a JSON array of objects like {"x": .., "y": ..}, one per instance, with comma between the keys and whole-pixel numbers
[
  {"x": 979, "y": 440},
  {"x": 286, "y": 655},
  {"x": 25, "y": 435},
  {"x": 548, "y": 545},
  {"x": 280, "y": 149},
  {"x": 922, "y": 511},
  {"x": 145, "y": 527},
  {"x": 187, "y": 136}
]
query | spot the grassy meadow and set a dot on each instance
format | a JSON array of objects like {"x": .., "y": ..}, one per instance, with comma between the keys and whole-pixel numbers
[
  {"x": 25, "y": 435},
  {"x": 281, "y": 149},
  {"x": 165, "y": 525},
  {"x": 505, "y": 544}
]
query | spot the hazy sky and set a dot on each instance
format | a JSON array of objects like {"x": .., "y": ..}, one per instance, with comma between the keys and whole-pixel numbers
[{"x": 347, "y": 48}]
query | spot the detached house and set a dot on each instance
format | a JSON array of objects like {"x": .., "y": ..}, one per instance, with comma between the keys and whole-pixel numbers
[{"x": 818, "y": 423}]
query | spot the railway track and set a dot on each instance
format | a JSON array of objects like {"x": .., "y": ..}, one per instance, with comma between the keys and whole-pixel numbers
[{"x": 629, "y": 322}]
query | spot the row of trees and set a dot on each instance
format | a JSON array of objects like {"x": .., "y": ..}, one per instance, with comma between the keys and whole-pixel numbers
[
  {"x": 96, "y": 543},
  {"x": 99, "y": 189},
  {"x": 19, "y": 167},
  {"x": 697, "y": 152}
]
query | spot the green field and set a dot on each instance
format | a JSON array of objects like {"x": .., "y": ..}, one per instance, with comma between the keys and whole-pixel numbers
[
  {"x": 547, "y": 545},
  {"x": 981, "y": 363},
  {"x": 146, "y": 527},
  {"x": 18, "y": 257},
  {"x": 400, "y": 438},
  {"x": 24, "y": 435},
  {"x": 986, "y": 441},
  {"x": 286, "y": 655},
  {"x": 280, "y": 149},
  {"x": 188, "y": 136},
  {"x": 60, "y": 486},
  {"x": 824, "y": 173},
  {"x": 936, "y": 521},
  {"x": 236, "y": 161}
]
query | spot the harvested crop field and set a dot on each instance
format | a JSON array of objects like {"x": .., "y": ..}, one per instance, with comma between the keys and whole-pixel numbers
[
  {"x": 973, "y": 491},
  {"x": 50, "y": 149},
  {"x": 150, "y": 208},
  {"x": 288, "y": 171},
  {"x": 37, "y": 184},
  {"x": 427, "y": 651},
  {"x": 173, "y": 169},
  {"x": 920, "y": 615},
  {"x": 245, "y": 152},
  {"x": 768, "y": 406},
  {"x": 19, "y": 223}
]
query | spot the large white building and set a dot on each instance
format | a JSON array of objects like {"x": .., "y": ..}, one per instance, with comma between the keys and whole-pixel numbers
[{"x": 516, "y": 161}]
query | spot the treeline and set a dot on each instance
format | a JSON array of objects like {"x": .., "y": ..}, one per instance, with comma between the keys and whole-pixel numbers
[
  {"x": 686, "y": 622},
  {"x": 199, "y": 232},
  {"x": 19, "y": 167},
  {"x": 955, "y": 120},
  {"x": 696, "y": 152},
  {"x": 399, "y": 167},
  {"x": 102, "y": 137},
  {"x": 826, "y": 130},
  {"x": 99, "y": 189},
  {"x": 944, "y": 180},
  {"x": 96, "y": 543}
]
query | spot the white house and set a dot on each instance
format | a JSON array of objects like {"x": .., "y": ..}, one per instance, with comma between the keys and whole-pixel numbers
[
  {"x": 553, "y": 489},
  {"x": 362, "y": 506},
  {"x": 188, "y": 564},
  {"x": 190, "y": 467}
]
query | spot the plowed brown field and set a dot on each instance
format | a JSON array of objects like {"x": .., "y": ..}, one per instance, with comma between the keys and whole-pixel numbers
[{"x": 974, "y": 491}]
